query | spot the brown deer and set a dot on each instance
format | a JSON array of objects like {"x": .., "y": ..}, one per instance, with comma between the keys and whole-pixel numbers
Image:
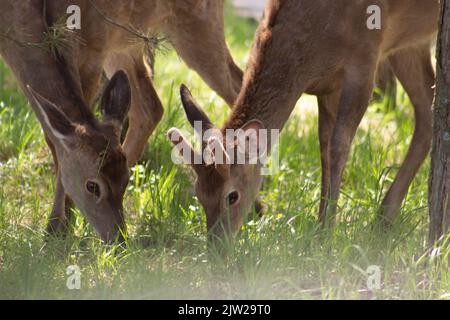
[
  {"x": 63, "y": 69},
  {"x": 323, "y": 48}
]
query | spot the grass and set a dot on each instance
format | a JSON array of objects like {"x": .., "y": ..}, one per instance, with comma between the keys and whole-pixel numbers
[{"x": 280, "y": 256}]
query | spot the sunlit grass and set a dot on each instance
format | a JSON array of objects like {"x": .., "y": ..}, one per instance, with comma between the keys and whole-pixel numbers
[{"x": 280, "y": 256}]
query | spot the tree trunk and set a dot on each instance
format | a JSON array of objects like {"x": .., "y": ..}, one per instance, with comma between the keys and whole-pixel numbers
[{"x": 440, "y": 172}]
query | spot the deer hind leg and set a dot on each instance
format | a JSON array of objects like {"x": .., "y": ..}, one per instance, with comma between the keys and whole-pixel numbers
[
  {"x": 146, "y": 109},
  {"x": 415, "y": 72},
  {"x": 357, "y": 89},
  {"x": 200, "y": 42},
  {"x": 327, "y": 119}
]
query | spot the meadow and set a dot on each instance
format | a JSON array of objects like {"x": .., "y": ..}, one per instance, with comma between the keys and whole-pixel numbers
[{"x": 283, "y": 255}]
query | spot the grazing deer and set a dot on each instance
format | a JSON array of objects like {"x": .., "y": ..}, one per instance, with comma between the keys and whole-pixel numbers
[
  {"x": 62, "y": 70},
  {"x": 326, "y": 49}
]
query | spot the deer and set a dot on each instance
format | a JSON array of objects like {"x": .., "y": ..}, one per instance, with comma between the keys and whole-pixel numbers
[
  {"x": 60, "y": 72},
  {"x": 323, "y": 48}
]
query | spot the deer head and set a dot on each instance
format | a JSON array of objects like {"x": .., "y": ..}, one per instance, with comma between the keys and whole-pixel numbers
[
  {"x": 91, "y": 164},
  {"x": 225, "y": 188}
]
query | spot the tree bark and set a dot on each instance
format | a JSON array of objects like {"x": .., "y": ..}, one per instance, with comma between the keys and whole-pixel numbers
[{"x": 439, "y": 197}]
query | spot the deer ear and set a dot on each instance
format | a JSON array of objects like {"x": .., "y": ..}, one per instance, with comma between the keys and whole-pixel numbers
[
  {"x": 116, "y": 99},
  {"x": 54, "y": 121},
  {"x": 255, "y": 125},
  {"x": 252, "y": 142},
  {"x": 193, "y": 111}
]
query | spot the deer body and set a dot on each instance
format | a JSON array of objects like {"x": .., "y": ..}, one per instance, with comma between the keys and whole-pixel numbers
[
  {"x": 325, "y": 48},
  {"x": 65, "y": 83}
]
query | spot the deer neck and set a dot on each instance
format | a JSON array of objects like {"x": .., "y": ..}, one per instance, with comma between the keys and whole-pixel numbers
[{"x": 271, "y": 85}]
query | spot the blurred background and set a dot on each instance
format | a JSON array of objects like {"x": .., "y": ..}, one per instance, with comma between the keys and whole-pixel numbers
[{"x": 249, "y": 8}]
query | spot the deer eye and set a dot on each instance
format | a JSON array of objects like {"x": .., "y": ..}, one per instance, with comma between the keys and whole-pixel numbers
[
  {"x": 233, "y": 198},
  {"x": 93, "y": 188}
]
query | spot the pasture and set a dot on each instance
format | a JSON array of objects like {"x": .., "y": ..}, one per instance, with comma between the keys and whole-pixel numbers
[{"x": 284, "y": 255}]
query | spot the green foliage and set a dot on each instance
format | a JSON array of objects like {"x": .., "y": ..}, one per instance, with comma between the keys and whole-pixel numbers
[{"x": 282, "y": 255}]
